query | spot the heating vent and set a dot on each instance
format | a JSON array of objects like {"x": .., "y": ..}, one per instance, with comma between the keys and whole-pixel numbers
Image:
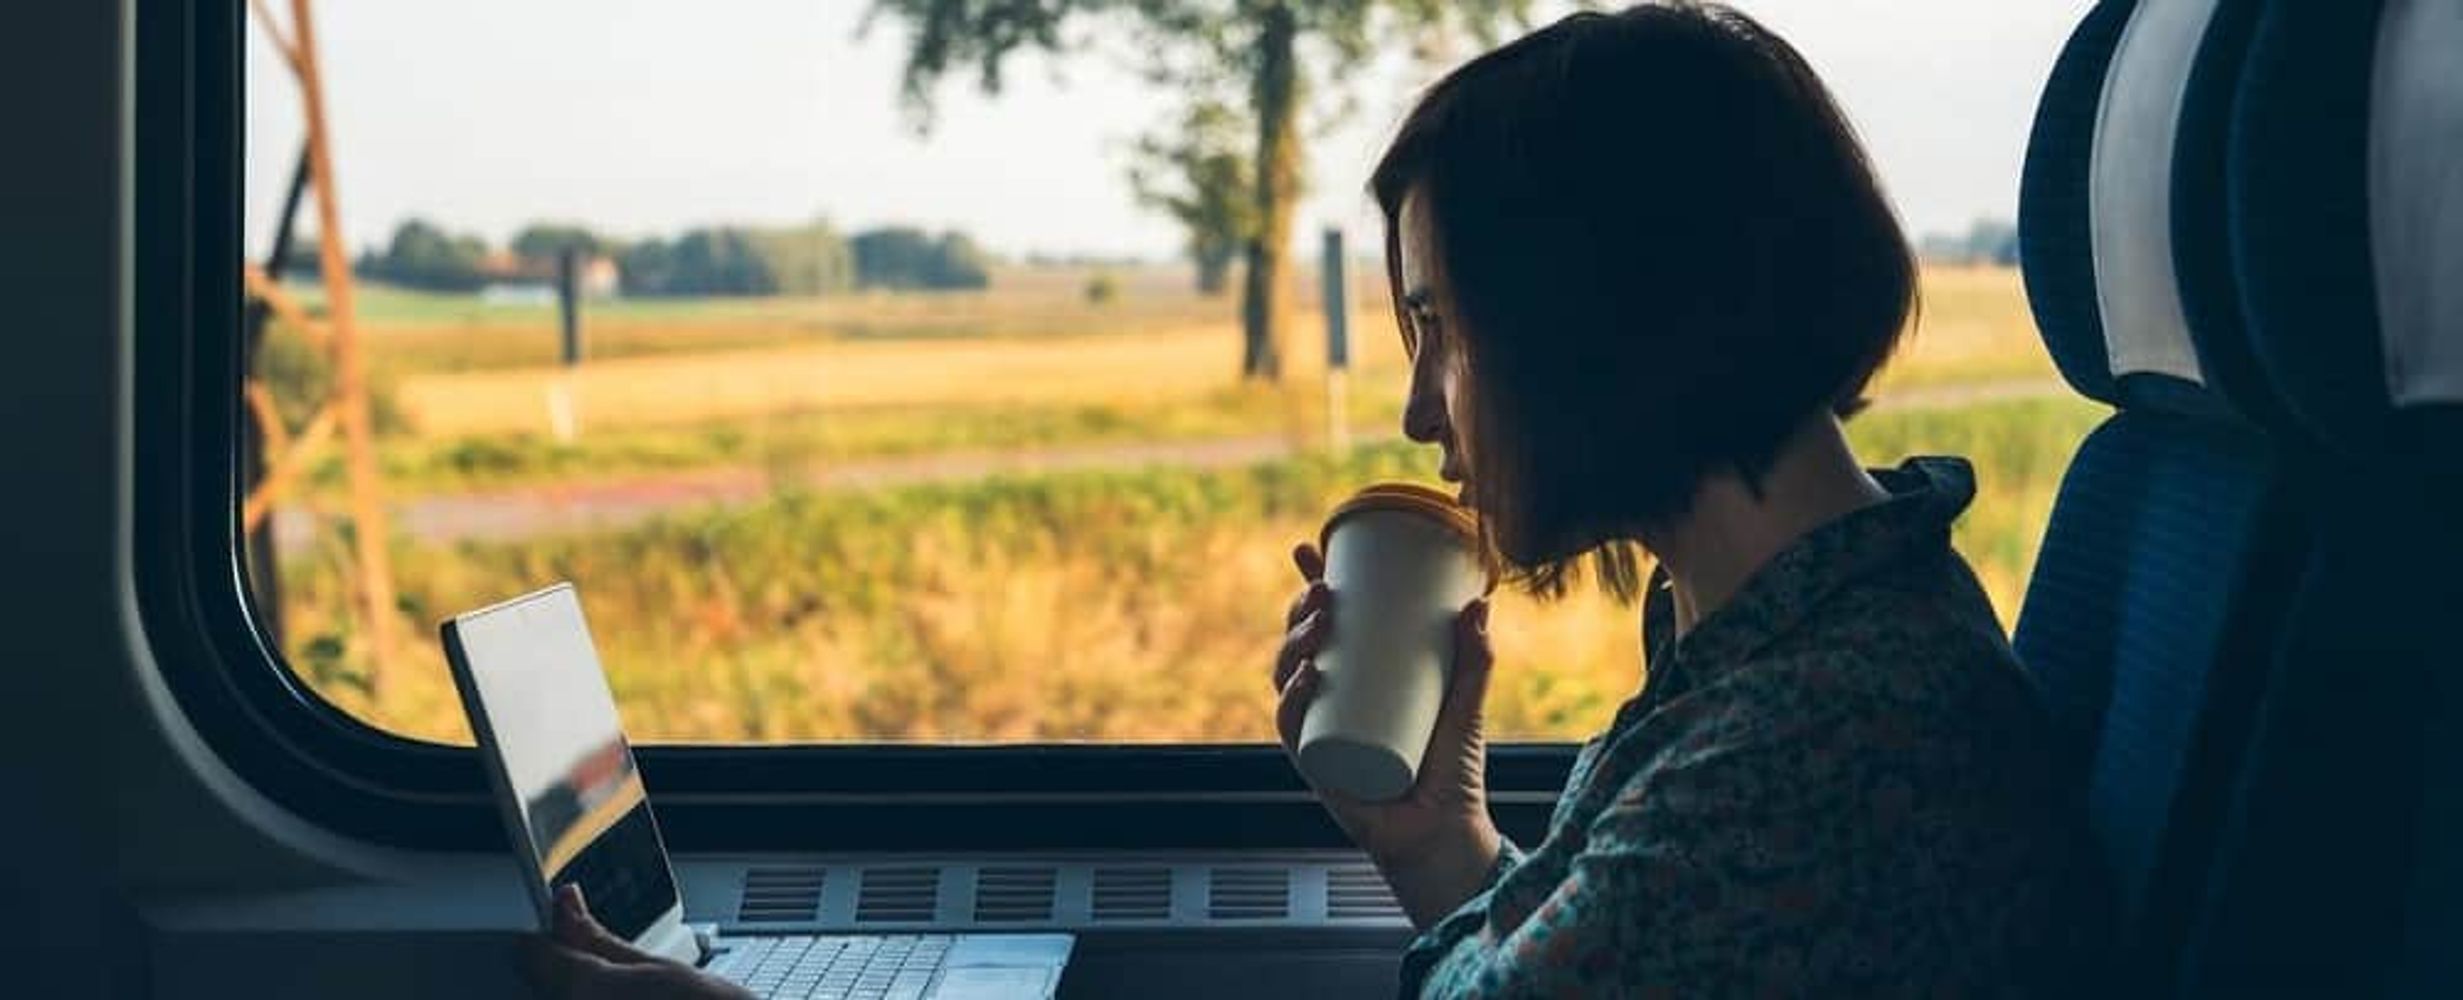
[
  {"x": 1248, "y": 894},
  {"x": 1006, "y": 894},
  {"x": 1132, "y": 893},
  {"x": 1357, "y": 892},
  {"x": 780, "y": 895},
  {"x": 892, "y": 895}
]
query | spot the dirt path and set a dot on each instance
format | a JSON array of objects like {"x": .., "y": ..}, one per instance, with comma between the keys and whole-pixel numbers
[{"x": 522, "y": 512}]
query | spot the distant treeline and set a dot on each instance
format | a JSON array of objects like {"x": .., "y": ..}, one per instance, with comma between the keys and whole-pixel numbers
[
  {"x": 1988, "y": 241},
  {"x": 811, "y": 259}
]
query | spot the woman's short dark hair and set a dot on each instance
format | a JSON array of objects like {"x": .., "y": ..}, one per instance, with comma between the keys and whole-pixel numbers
[{"x": 1664, "y": 250}]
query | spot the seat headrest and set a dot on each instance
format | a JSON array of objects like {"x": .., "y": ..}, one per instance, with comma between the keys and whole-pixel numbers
[
  {"x": 2347, "y": 202},
  {"x": 2053, "y": 218},
  {"x": 2119, "y": 282},
  {"x": 2201, "y": 223}
]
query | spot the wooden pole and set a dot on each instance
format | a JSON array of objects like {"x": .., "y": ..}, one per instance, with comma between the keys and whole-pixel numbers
[
  {"x": 283, "y": 306},
  {"x": 563, "y": 415},
  {"x": 266, "y": 437},
  {"x": 569, "y": 306},
  {"x": 273, "y": 34},
  {"x": 350, "y": 367},
  {"x": 283, "y": 470},
  {"x": 1337, "y": 303}
]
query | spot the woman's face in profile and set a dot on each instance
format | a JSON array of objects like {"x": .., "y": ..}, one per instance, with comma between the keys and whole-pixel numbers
[{"x": 1436, "y": 365}]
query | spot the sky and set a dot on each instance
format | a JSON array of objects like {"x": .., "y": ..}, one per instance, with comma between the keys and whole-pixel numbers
[{"x": 645, "y": 117}]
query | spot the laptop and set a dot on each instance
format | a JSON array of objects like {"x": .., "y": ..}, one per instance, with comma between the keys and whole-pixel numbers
[{"x": 574, "y": 804}]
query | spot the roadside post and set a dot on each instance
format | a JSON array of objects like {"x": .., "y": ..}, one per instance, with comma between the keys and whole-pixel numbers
[
  {"x": 562, "y": 413},
  {"x": 1337, "y": 302}
]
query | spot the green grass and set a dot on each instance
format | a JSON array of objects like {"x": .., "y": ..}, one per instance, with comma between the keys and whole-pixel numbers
[{"x": 1113, "y": 606}]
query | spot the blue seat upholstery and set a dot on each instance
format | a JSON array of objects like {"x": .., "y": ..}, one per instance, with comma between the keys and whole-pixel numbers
[
  {"x": 2160, "y": 573},
  {"x": 2339, "y": 872}
]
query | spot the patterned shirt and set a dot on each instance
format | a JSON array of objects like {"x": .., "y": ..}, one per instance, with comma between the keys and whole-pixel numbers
[{"x": 1839, "y": 782}]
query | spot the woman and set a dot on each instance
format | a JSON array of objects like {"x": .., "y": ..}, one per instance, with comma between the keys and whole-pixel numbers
[{"x": 1644, "y": 271}]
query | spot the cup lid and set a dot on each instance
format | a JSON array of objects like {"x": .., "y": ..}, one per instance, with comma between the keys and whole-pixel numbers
[{"x": 1412, "y": 498}]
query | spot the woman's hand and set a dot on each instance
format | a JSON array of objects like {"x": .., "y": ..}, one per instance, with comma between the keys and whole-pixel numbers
[
  {"x": 1436, "y": 843},
  {"x": 579, "y": 960}
]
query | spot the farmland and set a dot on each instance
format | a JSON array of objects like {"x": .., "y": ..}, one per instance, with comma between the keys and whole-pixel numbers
[{"x": 1133, "y": 596}]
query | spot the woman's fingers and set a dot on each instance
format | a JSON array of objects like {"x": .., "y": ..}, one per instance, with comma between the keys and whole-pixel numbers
[
  {"x": 1297, "y": 693},
  {"x": 575, "y": 928},
  {"x": 1458, "y": 720},
  {"x": 558, "y": 971},
  {"x": 1317, "y": 595},
  {"x": 1300, "y": 644},
  {"x": 1311, "y": 562},
  {"x": 1312, "y": 571},
  {"x": 1306, "y": 636}
]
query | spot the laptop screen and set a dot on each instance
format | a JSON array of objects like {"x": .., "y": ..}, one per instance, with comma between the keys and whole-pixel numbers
[{"x": 538, "y": 698}]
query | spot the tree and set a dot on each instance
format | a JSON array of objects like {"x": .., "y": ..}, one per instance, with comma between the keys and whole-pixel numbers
[
  {"x": 541, "y": 243},
  {"x": 1199, "y": 177},
  {"x": 723, "y": 261},
  {"x": 646, "y": 268},
  {"x": 1992, "y": 242},
  {"x": 422, "y": 255},
  {"x": 811, "y": 259},
  {"x": 713, "y": 261},
  {"x": 904, "y": 257},
  {"x": 960, "y": 264},
  {"x": 1263, "y": 42}
]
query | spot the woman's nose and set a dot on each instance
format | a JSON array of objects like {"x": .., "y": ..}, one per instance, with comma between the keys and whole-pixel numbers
[{"x": 1424, "y": 417}]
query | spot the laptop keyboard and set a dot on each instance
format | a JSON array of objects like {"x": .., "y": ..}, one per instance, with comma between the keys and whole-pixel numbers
[{"x": 870, "y": 967}]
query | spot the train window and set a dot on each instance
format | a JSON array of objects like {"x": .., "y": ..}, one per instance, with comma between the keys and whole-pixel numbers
[{"x": 866, "y": 404}]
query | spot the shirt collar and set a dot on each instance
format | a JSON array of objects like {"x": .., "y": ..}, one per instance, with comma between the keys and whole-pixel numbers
[{"x": 1926, "y": 495}]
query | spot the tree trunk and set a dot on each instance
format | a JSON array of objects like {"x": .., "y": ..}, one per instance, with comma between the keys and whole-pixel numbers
[
  {"x": 1214, "y": 272},
  {"x": 1275, "y": 92}
]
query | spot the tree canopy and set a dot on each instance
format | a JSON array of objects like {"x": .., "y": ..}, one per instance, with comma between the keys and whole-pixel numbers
[
  {"x": 1266, "y": 52},
  {"x": 423, "y": 255},
  {"x": 813, "y": 258},
  {"x": 902, "y": 257},
  {"x": 1200, "y": 178},
  {"x": 541, "y": 243}
]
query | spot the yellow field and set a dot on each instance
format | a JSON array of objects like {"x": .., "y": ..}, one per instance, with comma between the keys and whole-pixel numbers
[
  {"x": 737, "y": 385},
  {"x": 1973, "y": 331}
]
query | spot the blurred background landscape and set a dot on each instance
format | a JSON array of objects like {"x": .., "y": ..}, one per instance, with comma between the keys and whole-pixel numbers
[{"x": 1003, "y": 432}]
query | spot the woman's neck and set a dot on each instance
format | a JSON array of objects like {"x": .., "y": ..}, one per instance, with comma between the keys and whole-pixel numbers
[{"x": 1729, "y": 533}]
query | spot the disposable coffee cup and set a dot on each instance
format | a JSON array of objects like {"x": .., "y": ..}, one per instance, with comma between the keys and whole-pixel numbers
[{"x": 1402, "y": 562}]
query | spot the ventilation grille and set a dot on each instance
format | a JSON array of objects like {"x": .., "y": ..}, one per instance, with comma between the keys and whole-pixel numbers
[
  {"x": 781, "y": 895},
  {"x": 1016, "y": 893},
  {"x": 1357, "y": 892},
  {"x": 1248, "y": 894},
  {"x": 897, "y": 895},
  {"x": 1013, "y": 894},
  {"x": 1132, "y": 893}
]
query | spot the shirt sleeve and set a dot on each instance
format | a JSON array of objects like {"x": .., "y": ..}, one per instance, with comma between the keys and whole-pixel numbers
[
  {"x": 1704, "y": 879},
  {"x": 1434, "y": 943}
]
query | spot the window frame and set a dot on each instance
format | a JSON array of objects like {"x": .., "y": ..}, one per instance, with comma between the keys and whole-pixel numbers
[{"x": 339, "y": 772}]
